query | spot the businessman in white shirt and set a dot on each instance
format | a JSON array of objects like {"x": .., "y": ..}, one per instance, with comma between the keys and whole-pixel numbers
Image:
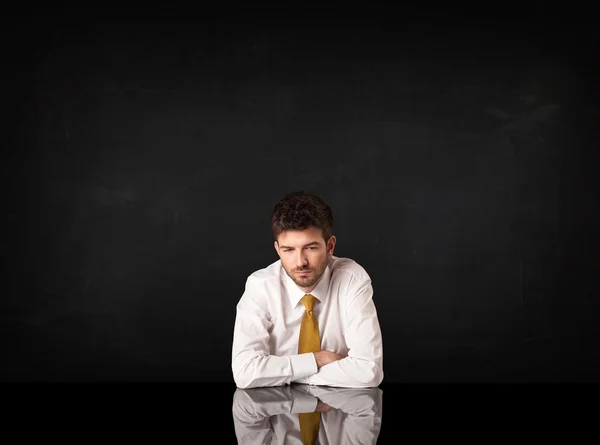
[{"x": 309, "y": 317}]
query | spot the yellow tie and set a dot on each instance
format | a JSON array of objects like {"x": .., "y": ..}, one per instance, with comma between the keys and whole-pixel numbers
[{"x": 309, "y": 341}]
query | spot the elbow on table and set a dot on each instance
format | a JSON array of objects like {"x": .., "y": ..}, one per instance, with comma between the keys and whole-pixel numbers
[
  {"x": 371, "y": 377},
  {"x": 242, "y": 382},
  {"x": 377, "y": 376},
  {"x": 245, "y": 376}
]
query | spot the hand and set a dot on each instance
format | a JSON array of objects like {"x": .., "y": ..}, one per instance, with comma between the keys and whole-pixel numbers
[
  {"x": 323, "y": 407},
  {"x": 325, "y": 357}
]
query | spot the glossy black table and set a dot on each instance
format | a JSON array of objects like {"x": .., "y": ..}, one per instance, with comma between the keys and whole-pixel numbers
[{"x": 209, "y": 412}]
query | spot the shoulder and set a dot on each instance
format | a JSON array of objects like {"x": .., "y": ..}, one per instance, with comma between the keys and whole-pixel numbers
[
  {"x": 348, "y": 270},
  {"x": 261, "y": 286},
  {"x": 264, "y": 278}
]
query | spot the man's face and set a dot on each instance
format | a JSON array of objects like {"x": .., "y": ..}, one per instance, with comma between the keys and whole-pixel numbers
[{"x": 304, "y": 255}]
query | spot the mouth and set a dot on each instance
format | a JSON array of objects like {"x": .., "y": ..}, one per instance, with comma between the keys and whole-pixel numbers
[{"x": 304, "y": 272}]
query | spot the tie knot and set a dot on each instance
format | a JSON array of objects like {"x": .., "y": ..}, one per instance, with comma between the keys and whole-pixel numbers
[{"x": 309, "y": 302}]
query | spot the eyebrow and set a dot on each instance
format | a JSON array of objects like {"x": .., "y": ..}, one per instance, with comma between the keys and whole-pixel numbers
[{"x": 306, "y": 245}]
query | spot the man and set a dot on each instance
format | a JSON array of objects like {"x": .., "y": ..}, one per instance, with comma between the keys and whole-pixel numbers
[{"x": 309, "y": 317}]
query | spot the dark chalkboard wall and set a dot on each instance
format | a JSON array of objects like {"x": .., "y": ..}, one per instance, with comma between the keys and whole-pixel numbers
[{"x": 145, "y": 155}]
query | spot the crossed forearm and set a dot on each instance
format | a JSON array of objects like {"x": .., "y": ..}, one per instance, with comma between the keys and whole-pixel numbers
[{"x": 325, "y": 357}]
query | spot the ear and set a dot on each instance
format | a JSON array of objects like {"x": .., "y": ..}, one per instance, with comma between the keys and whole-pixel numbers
[
  {"x": 276, "y": 245},
  {"x": 331, "y": 245}
]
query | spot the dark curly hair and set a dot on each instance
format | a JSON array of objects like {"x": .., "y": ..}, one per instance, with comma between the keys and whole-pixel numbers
[{"x": 299, "y": 211}]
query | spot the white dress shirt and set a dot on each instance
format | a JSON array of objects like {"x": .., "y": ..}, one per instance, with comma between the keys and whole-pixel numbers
[
  {"x": 270, "y": 415},
  {"x": 267, "y": 328}
]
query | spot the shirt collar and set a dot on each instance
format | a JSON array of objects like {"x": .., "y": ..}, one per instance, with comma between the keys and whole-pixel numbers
[{"x": 320, "y": 291}]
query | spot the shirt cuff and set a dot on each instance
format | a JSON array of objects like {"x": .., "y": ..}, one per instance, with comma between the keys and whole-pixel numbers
[{"x": 303, "y": 365}]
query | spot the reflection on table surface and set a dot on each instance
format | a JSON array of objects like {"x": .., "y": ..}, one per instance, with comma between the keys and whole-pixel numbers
[{"x": 304, "y": 414}]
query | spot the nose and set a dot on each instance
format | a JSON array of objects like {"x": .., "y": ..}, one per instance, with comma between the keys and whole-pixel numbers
[{"x": 301, "y": 260}]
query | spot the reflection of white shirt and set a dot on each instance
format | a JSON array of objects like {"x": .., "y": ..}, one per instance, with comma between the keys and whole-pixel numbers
[
  {"x": 270, "y": 415},
  {"x": 267, "y": 327}
]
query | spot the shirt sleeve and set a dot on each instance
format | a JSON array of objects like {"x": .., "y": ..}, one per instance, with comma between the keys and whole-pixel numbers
[
  {"x": 252, "y": 362},
  {"x": 363, "y": 367}
]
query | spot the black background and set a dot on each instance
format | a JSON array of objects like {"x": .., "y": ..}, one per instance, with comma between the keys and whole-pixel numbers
[{"x": 145, "y": 151}]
